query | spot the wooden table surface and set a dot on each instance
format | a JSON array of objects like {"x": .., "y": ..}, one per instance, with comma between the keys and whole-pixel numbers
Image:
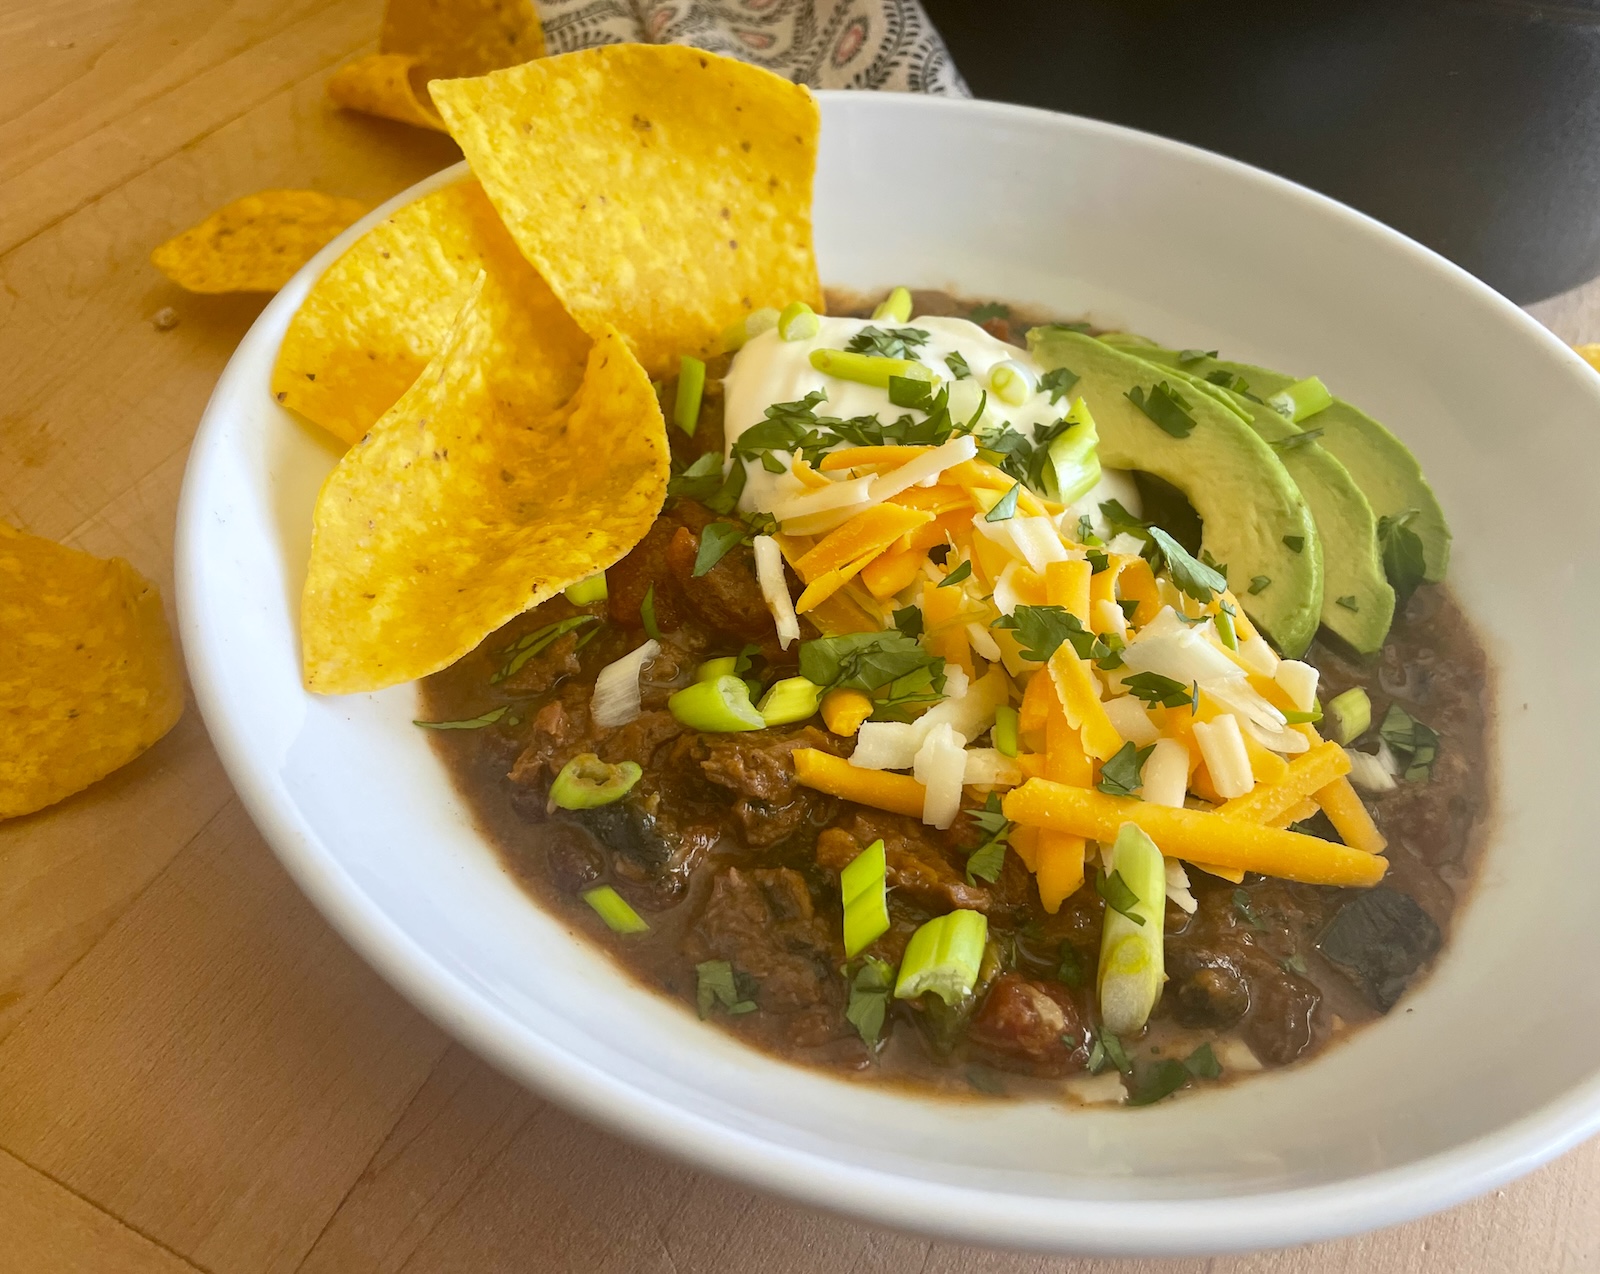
[{"x": 195, "y": 1072}]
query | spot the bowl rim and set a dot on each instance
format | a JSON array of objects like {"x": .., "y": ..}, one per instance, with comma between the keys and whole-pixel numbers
[{"x": 1152, "y": 1227}]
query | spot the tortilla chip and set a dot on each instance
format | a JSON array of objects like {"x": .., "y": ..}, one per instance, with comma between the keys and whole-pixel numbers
[
  {"x": 463, "y": 507},
  {"x": 255, "y": 244},
  {"x": 463, "y": 37},
  {"x": 90, "y": 676},
  {"x": 388, "y": 84},
  {"x": 370, "y": 324},
  {"x": 659, "y": 189}
]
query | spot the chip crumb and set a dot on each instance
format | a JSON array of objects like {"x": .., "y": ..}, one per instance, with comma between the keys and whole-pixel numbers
[{"x": 164, "y": 319}]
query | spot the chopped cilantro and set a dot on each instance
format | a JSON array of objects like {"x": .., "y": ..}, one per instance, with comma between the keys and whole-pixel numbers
[
  {"x": 1203, "y": 1064},
  {"x": 1006, "y": 507},
  {"x": 536, "y": 643},
  {"x": 1129, "y": 606},
  {"x": 472, "y": 723},
  {"x": 1412, "y": 742},
  {"x": 1241, "y": 905},
  {"x": 1098, "y": 561},
  {"x": 1189, "y": 575},
  {"x": 888, "y": 665},
  {"x": 1294, "y": 543},
  {"x": 1118, "y": 894},
  {"x": 909, "y": 391},
  {"x": 715, "y": 542},
  {"x": 1167, "y": 409},
  {"x": 1348, "y": 601},
  {"x": 1188, "y": 356},
  {"x": 1086, "y": 533},
  {"x": 1154, "y": 689},
  {"x": 1122, "y": 774},
  {"x": 1258, "y": 584},
  {"x": 957, "y": 365},
  {"x": 1157, "y": 1082},
  {"x": 908, "y": 620},
  {"x": 956, "y": 576},
  {"x": 890, "y": 342},
  {"x": 1232, "y": 382},
  {"x": 986, "y": 862},
  {"x": 1403, "y": 559},
  {"x": 869, "y": 998},
  {"x": 990, "y": 310},
  {"x": 1041, "y": 630},
  {"x": 718, "y": 984},
  {"x": 1115, "y": 1053},
  {"x": 1069, "y": 966},
  {"x": 1120, "y": 521},
  {"x": 1058, "y": 383}
]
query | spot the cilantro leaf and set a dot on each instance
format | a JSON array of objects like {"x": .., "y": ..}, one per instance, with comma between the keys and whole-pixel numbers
[
  {"x": 1294, "y": 543},
  {"x": 1403, "y": 559},
  {"x": 1119, "y": 521},
  {"x": 1154, "y": 689},
  {"x": 957, "y": 365},
  {"x": 1202, "y": 1063},
  {"x": 987, "y": 861},
  {"x": 956, "y": 576},
  {"x": 888, "y": 665},
  {"x": 1167, "y": 409},
  {"x": 474, "y": 723},
  {"x": 1189, "y": 575},
  {"x": 989, "y": 310},
  {"x": 1118, "y": 894},
  {"x": 909, "y": 391},
  {"x": 1241, "y": 904},
  {"x": 1188, "y": 356},
  {"x": 1058, "y": 383},
  {"x": 1006, "y": 507},
  {"x": 1156, "y": 1082},
  {"x": 869, "y": 998},
  {"x": 1411, "y": 741},
  {"x": 1259, "y": 584},
  {"x": 1348, "y": 601},
  {"x": 908, "y": 620},
  {"x": 1232, "y": 382},
  {"x": 891, "y": 342},
  {"x": 718, "y": 984},
  {"x": 1295, "y": 441},
  {"x": 1122, "y": 774},
  {"x": 715, "y": 542},
  {"x": 1041, "y": 630},
  {"x": 1086, "y": 533}
]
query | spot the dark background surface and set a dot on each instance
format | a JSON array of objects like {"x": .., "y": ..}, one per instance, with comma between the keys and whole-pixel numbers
[{"x": 1471, "y": 125}]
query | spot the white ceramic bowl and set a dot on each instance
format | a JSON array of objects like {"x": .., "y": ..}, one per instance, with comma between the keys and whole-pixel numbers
[{"x": 1490, "y": 1068}]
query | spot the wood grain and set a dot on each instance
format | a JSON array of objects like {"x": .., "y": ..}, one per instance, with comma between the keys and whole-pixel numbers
[{"x": 195, "y": 1072}]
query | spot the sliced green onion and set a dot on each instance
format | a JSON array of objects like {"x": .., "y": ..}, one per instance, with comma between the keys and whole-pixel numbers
[
  {"x": 1225, "y": 629},
  {"x": 647, "y": 614},
  {"x": 719, "y": 706},
  {"x": 1302, "y": 399},
  {"x": 1130, "y": 944},
  {"x": 894, "y": 308},
  {"x": 748, "y": 328},
  {"x": 790, "y": 700},
  {"x": 1074, "y": 457},
  {"x": 944, "y": 957},
  {"x": 1011, "y": 383},
  {"x": 726, "y": 666},
  {"x": 613, "y": 908},
  {"x": 798, "y": 322},
  {"x": 864, "y": 884},
  {"x": 1352, "y": 715},
  {"x": 1005, "y": 733},
  {"x": 586, "y": 782},
  {"x": 691, "y": 387},
  {"x": 587, "y": 591},
  {"x": 868, "y": 369}
]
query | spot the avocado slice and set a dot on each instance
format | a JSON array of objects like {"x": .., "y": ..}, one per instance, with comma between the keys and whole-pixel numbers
[
  {"x": 1357, "y": 601},
  {"x": 1382, "y": 466},
  {"x": 1250, "y": 509}
]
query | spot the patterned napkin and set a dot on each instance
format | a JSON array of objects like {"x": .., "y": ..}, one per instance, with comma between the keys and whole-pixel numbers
[{"x": 874, "y": 44}]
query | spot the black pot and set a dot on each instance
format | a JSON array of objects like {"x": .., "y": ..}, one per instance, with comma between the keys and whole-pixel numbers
[{"x": 1471, "y": 125}]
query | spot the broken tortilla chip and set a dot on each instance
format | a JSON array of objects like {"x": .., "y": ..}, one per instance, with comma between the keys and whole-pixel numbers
[
  {"x": 380, "y": 312},
  {"x": 255, "y": 244},
  {"x": 658, "y": 189},
  {"x": 462, "y": 507},
  {"x": 462, "y": 37},
  {"x": 391, "y": 85},
  {"x": 90, "y": 676}
]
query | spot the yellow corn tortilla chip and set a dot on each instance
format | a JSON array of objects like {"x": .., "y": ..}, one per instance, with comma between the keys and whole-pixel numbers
[
  {"x": 463, "y": 37},
  {"x": 658, "y": 189},
  {"x": 372, "y": 322},
  {"x": 89, "y": 676},
  {"x": 388, "y": 84},
  {"x": 462, "y": 507},
  {"x": 255, "y": 244}
]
